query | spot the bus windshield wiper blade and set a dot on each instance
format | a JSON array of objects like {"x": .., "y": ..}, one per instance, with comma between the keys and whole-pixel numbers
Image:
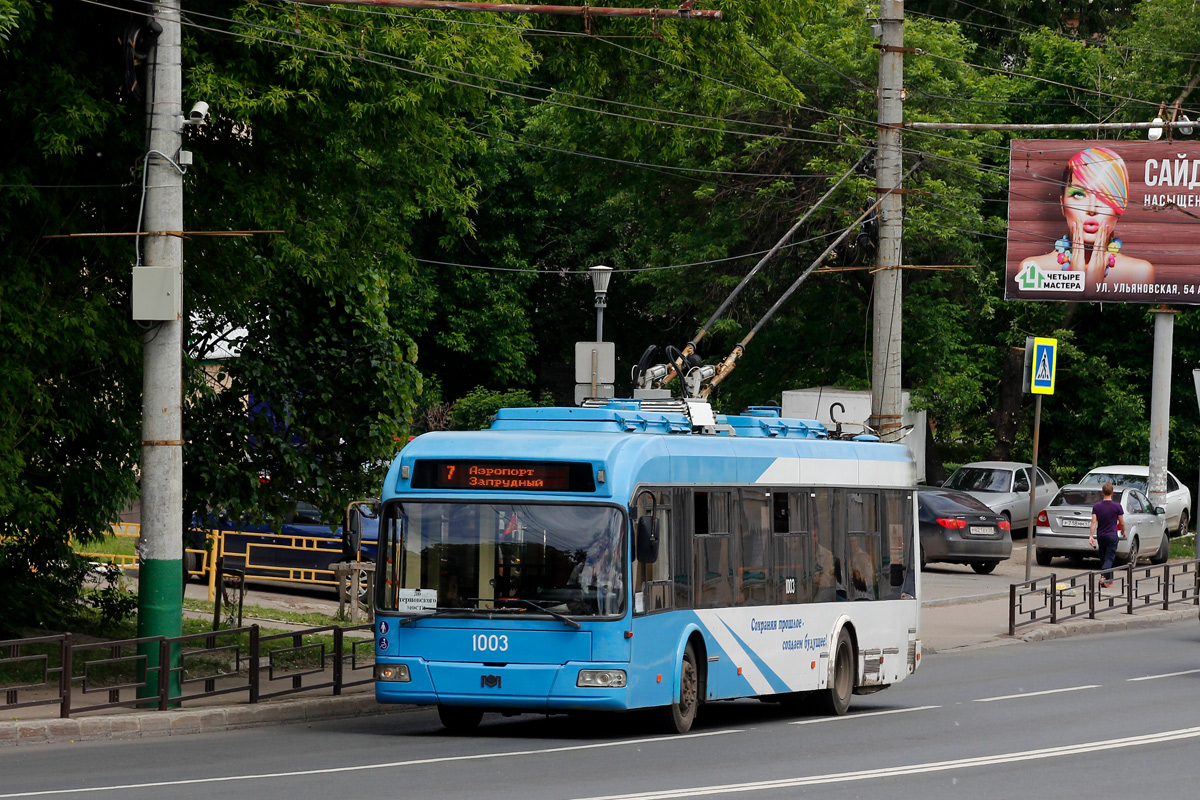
[
  {"x": 439, "y": 612},
  {"x": 563, "y": 618}
]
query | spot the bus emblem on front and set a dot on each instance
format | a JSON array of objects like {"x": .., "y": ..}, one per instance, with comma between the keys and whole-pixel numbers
[{"x": 489, "y": 681}]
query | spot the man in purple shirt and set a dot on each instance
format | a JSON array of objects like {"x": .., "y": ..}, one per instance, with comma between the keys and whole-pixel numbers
[{"x": 1108, "y": 525}]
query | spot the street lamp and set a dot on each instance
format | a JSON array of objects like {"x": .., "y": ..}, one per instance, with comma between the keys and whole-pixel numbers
[{"x": 601, "y": 275}]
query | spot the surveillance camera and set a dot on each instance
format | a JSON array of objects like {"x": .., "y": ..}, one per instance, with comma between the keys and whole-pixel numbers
[{"x": 199, "y": 112}]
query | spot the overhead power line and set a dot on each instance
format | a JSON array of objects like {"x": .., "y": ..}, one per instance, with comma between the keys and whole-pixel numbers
[{"x": 683, "y": 12}]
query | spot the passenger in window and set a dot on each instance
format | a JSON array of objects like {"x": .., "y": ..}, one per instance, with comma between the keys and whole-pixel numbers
[
  {"x": 826, "y": 577},
  {"x": 862, "y": 571},
  {"x": 600, "y": 572}
]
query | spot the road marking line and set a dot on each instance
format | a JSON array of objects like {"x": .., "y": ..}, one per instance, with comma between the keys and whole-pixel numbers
[
  {"x": 911, "y": 769},
  {"x": 864, "y": 714},
  {"x": 366, "y": 767},
  {"x": 1164, "y": 675},
  {"x": 1036, "y": 694}
]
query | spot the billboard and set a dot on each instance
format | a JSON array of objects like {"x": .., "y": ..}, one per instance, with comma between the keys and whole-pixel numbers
[{"x": 1109, "y": 221}]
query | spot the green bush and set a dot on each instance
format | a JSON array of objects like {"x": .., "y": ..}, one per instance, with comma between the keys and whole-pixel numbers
[
  {"x": 114, "y": 603},
  {"x": 41, "y": 581},
  {"x": 474, "y": 412}
]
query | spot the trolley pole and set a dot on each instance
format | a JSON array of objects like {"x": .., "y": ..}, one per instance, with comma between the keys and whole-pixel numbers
[
  {"x": 886, "y": 297},
  {"x": 160, "y": 593}
]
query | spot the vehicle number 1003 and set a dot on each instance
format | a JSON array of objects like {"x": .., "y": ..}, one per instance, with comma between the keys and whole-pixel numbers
[{"x": 489, "y": 643}]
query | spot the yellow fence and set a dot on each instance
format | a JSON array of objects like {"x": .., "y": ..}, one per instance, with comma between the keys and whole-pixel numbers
[{"x": 263, "y": 556}]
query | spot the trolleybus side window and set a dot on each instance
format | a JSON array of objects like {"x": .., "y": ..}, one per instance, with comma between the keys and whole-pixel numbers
[
  {"x": 792, "y": 573},
  {"x": 752, "y": 574},
  {"x": 713, "y": 548},
  {"x": 681, "y": 546},
  {"x": 652, "y": 583},
  {"x": 897, "y": 522},
  {"x": 862, "y": 525},
  {"x": 828, "y": 547}
]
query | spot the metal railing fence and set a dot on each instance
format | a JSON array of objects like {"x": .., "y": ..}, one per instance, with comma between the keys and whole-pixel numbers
[
  {"x": 1134, "y": 587},
  {"x": 81, "y": 677}
]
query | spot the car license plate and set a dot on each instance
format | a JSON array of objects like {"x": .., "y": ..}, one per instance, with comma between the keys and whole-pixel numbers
[
  {"x": 1070, "y": 522},
  {"x": 982, "y": 530}
]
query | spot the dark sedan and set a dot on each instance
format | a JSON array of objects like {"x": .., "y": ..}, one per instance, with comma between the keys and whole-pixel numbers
[{"x": 958, "y": 529}]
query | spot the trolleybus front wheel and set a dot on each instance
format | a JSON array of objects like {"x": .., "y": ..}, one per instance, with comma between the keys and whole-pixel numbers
[
  {"x": 679, "y": 716},
  {"x": 835, "y": 700},
  {"x": 460, "y": 719}
]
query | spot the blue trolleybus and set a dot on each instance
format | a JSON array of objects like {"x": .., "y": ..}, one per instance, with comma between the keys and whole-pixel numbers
[{"x": 636, "y": 554}]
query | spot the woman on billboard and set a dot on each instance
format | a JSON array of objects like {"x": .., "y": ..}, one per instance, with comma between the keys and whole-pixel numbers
[{"x": 1095, "y": 195}]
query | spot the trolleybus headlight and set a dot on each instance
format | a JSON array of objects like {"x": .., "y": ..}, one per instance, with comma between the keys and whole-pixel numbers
[
  {"x": 392, "y": 672},
  {"x": 603, "y": 678}
]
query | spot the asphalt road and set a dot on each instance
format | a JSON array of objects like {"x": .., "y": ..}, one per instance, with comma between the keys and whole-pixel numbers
[{"x": 1101, "y": 715}]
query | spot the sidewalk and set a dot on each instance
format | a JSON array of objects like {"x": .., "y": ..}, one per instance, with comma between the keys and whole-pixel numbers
[{"x": 960, "y": 610}]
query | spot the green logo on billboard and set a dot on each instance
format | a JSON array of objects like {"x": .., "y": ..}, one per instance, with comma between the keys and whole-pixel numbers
[{"x": 1030, "y": 278}]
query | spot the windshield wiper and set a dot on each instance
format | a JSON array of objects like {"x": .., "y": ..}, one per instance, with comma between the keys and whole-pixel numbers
[
  {"x": 440, "y": 612},
  {"x": 564, "y": 619}
]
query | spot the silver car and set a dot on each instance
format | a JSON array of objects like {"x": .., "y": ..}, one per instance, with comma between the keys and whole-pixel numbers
[
  {"x": 1003, "y": 486},
  {"x": 1179, "y": 497},
  {"x": 1064, "y": 527}
]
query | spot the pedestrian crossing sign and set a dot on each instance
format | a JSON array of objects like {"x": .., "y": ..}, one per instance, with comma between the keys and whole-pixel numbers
[{"x": 1045, "y": 360}]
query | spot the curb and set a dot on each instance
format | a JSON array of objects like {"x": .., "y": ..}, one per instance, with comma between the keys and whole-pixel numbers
[
  {"x": 964, "y": 599},
  {"x": 1122, "y": 623},
  {"x": 199, "y": 720}
]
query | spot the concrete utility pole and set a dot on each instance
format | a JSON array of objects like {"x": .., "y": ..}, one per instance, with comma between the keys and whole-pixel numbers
[
  {"x": 160, "y": 599},
  {"x": 887, "y": 297},
  {"x": 1160, "y": 404}
]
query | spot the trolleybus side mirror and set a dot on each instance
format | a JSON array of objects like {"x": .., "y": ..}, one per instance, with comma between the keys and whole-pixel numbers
[
  {"x": 352, "y": 538},
  {"x": 647, "y": 539},
  {"x": 352, "y": 529}
]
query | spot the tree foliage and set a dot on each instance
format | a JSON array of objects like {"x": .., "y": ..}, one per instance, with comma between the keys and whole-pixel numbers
[
  {"x": 440, "y": 184},
  {"x": 68, "y": 353}
]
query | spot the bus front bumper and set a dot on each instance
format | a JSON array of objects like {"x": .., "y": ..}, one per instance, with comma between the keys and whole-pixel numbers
[{"x": 523, "y": 687}]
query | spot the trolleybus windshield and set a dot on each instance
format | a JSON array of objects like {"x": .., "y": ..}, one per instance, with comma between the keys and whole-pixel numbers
[{"x": 511, "y": 557}]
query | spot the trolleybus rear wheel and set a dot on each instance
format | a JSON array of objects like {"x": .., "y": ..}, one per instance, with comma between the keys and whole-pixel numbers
[
  {"x": 835, "y": 700},
  {"x": 460, "y": 719},
  {"x": 680, "y": 715}
]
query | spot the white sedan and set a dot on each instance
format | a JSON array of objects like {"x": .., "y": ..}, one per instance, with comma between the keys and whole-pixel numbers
[
  {"x": 1003, "y": 486},
  {"x": 1064, "y": 527},
  {"x": 1179, "y": 497}
]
